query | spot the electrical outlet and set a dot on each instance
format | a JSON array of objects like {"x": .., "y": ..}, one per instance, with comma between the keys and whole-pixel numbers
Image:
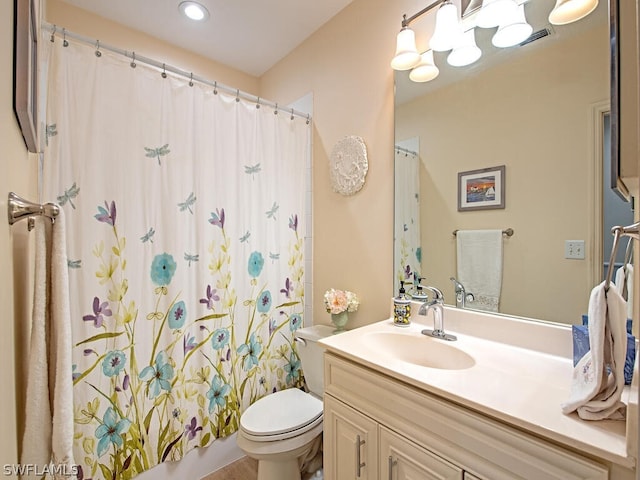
[{"x": 574, "y": 249}]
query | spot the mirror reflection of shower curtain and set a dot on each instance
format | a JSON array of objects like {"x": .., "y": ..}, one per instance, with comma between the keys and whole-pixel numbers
[
  {"x": 408, "y": 252},
  {"x": 185, "y": 220}
]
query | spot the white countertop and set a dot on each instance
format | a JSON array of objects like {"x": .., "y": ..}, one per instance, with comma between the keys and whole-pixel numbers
[{"x": 520, "y": 377}]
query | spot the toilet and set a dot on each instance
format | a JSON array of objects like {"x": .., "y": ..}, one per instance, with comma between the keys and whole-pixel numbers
[{"x": 283, "y": 430}]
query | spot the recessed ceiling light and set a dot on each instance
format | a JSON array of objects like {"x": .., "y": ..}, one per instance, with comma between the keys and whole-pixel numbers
[{"x": 194, "y": 10}]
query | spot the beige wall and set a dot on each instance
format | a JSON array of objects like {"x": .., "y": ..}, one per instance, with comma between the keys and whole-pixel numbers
[
  {"x": 346, "y": 67},
  {"x": 532, "y": 116},
  {"x": 19, "y": 175}
]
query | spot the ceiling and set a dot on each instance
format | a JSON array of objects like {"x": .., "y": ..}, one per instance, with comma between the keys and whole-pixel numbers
[{"x": 248, "y": 35}]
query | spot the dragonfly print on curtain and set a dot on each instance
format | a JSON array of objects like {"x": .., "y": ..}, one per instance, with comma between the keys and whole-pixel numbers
[{"x": 184, "y": 219}]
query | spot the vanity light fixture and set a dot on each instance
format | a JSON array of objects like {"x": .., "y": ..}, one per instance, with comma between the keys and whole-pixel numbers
[
  {"x": 567, "y": 11},
  {"x": 508, "y": 15},
  {"x": 407, "y": 55},
  {"x": 194, "y": 11}
]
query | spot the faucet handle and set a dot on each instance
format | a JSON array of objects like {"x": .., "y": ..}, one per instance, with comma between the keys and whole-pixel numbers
[{"x": 459, "y": 287}]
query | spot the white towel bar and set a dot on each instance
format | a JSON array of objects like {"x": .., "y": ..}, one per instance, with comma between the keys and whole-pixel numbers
[{"x": 508, "y": 232}]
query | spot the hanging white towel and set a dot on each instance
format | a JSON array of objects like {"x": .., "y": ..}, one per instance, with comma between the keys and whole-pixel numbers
[
  {"x": 624, "y": 284},
  {"x": 479, "y": 259},
  {"x": 598, "y": 377},
  {"x": 48, "y": 436},
  {"x": 36, "y": 443}
]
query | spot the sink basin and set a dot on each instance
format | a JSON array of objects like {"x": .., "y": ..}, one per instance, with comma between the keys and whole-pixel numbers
[{"x": 419, "y": 350}]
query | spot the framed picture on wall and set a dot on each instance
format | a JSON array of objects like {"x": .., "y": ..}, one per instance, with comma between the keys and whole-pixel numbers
[
  {"x": 25, "y": 71},
  {"x": 481, "y": 189}
]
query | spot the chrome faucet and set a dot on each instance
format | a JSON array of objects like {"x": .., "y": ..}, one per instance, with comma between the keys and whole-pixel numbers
[
  {"x": 461, "y": 294},
  {"x": 436, "y": 305}
]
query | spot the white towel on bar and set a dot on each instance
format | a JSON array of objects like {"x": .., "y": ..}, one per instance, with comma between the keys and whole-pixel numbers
[
  {"x": 624, "y": 284},
  {"x": 479, "y": 260},
  {"x": 48, "y": 436},
  {"x": 598, "y": 377},
  {"x": 36, "y": 443}
]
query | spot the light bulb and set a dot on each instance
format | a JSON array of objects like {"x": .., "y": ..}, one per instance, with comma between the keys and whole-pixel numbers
[
  {"x": 567, "y": 11},
  {"x": 426, "y": 70},
  {"x": 448, "y": 29},
  {"x": 466, "y": 52},
  {"x": 407, "y": 55},
  {"x": 516, "y": 31}
]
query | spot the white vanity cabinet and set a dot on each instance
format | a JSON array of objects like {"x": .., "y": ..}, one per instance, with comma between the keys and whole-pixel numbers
[
  {"x": 360, "y": 448},
  {"x": 377, "y": 427}
]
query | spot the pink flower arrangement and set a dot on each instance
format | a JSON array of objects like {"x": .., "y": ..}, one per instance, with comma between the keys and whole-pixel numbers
[{"x": 338, "y": 301}]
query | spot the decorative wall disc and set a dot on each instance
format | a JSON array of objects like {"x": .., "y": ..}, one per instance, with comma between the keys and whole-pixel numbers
[{"x": 348, "y": 165}]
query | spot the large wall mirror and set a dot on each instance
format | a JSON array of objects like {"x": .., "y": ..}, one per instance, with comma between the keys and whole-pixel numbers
[{"x": 539, "y": 109}]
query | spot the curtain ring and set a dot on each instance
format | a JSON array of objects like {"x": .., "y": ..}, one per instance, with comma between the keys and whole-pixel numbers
[
  {"x": 53, "y": 34},
  {"x": 237, "y": 95},
  {"x": 133, "y": 60},
  {"x": 215, "y": 88},
  {"x": 65, "y": 43},
  {"x": 191, "y": 80},
  {"x": 258, "y": 103},
  {"x": 98, "y": 52},
  {"x": 164, "y": 71},
  {"x": 292, "y": 114},
  {"x": 275, "y": 112}
]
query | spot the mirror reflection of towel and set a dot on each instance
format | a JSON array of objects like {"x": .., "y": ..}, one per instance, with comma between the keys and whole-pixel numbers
[
  {"x": 598, "y": 378},
  {"x": 479, "y": 259}
]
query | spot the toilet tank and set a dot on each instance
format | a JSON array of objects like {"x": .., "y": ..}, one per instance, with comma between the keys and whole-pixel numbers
[{"x": 311, "y": 355}]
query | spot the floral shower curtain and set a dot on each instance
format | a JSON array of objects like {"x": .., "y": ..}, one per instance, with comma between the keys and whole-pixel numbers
[
  {"x": 184, "y": 212},
  {"x": 408, "y": 252}
]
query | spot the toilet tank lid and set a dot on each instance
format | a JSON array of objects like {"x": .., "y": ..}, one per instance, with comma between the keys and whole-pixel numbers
[{"x": 315, "y": 333}]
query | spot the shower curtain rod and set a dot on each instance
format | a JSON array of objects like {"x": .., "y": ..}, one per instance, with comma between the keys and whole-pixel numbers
[
  {"x": 406, "y": 151},
  {"x": 64, "y": 33}
]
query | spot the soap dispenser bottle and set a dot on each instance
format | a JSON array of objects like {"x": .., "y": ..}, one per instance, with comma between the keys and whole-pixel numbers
[
  {"x": 401, "y": 308},
  {"x": 419, "y": 295}
]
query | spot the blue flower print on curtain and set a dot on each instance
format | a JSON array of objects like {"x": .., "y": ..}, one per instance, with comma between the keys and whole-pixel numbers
[
  {"x": 161, "y": 395},
  {"x": 186, "y": 257}
]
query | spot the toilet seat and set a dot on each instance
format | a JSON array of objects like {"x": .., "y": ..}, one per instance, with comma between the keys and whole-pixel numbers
[{"x": 281, "y": 415}]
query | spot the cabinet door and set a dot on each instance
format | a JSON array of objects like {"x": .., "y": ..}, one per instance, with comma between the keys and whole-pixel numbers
[
  {"x": 350, "y": 443},
  {"x": 401, "y": 459}
]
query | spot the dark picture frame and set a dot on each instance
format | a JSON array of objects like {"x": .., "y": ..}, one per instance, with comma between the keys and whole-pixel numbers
[
  {"x": 482, "y": 189},
  {"x": 25, "y": 71}
]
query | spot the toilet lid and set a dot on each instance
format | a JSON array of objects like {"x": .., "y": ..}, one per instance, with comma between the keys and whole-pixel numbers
[{"x": 281, "y": 412}]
